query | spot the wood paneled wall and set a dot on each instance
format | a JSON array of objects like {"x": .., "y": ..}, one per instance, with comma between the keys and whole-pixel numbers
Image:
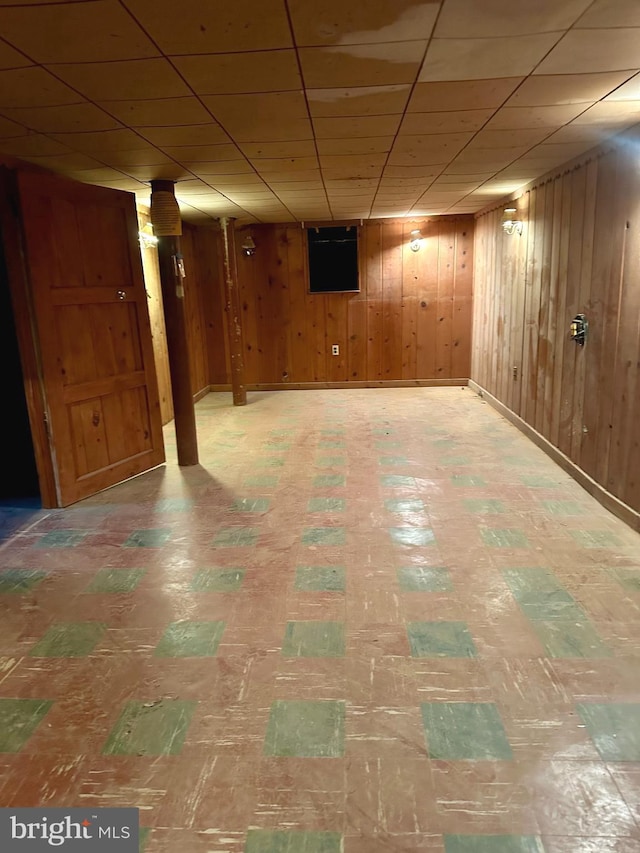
[
  {"x": 411, "y": 319},
  {"x": 579, "y": 253}
]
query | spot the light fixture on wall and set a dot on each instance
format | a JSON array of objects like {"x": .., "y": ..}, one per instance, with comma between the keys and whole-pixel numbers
[
  {"x": 147, "y": 238},
  {"x": 248, "y": 246},
  {"x": 416, "y": 240},
  {"x": 510, "y": 222}
]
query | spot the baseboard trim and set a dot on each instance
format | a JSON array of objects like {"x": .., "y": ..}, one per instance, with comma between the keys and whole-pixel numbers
[
  {"x": 202, "y": 393},
  {"x": 311, "y": 386},
  {"x": 620, "y": 509}
]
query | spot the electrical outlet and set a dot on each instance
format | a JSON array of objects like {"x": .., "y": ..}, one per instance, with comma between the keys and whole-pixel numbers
[{"x": 335, "y": 350}]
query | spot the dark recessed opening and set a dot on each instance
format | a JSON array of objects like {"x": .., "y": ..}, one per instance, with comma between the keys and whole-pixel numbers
[{"x": 333, "y": 259}]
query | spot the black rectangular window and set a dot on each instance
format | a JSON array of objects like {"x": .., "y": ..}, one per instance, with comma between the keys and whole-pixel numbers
[{"x": 333, "y": 259}]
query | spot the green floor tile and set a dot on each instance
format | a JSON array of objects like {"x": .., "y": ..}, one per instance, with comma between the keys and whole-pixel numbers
[
  {"x": 173, "y": 505},
  {"x": 464, "y": 731},
  {"x": 269, "y": 463},
  {"x": 395, "y": 480},
  {"x": 306, "y": 729},
  {"x": 151, "y": 538},
  {"x": 320, "y": 578},
  {"x": 517, "y": 461},
  {"x": 235, "y": 537},
  {"x": 330, "y": 461},
  {"x": 563, "y": 507},
  {"x": 190, "y": 640},
  {"x": 69, "y": 640},
  {"x": 336, "y": 431},
  {"x": 535, "y": 481},
  {"x": 412, "y": 535},
  {"x": 279, "y": 433},
  {"x": 387, "y": 444},
  {"x": 569, "y": 639},
  {"x": 534, "y": 579},
  {"x": 143, "y": 837},
  {"x": 628, "y": 578},
  {"x": 404, "y": 505},
  {"x": 19, "y": 718},
  {"x": 595, "y": 538},
  {"x": 440, "y": 639},
  {"x": 278, "y": 841},
  {"x": 328, "y": 443},
  {"x": 444, "y": 443},
  {"x": 251, "y": 504},
  {"x": 424, "y": 579},
  {"x": 329, "y": 480},
  {"x": 486, "y": 506},
  {"x": 217, "y": 580},
  {"x": 116, "y": 580},
  {"x": 324, "y": 536},
  {"x": 393, "y": 460},
  {"x": 262, "y": 480},
  {"x": 326, "y": 505},
  {"x": 150, "y": 728},
  {"x": 281, "y": 446},
  {"x": 493, "y": 844},
  {"x": 614, "y": 729},
  {"x": 467, "y": 480},
  {"x": 507, "y": 537},
  {"x": 314, "y": 640},
  {"x": 62, "y": 538},
  {"x": 17, "y": 581}
]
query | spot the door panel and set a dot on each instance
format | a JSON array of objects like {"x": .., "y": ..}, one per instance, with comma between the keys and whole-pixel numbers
[{"x": 93, "y": 332}]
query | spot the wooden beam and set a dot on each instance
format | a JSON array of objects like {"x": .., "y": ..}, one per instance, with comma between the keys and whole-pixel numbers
[
  {"x": 232, "y": 305},
  {"x": 172, "y": 281}
]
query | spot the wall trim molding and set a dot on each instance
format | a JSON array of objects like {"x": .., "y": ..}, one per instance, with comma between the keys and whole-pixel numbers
[
  {"x": 202, "y": 393},
  {"x": 312, "y": 386},
  {"x": 620, "y": 509}
]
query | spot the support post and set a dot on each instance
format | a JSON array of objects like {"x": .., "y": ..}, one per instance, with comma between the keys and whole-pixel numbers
[
  {"x": 167, "y": 226},
  {"x": 232, "y": 305}
]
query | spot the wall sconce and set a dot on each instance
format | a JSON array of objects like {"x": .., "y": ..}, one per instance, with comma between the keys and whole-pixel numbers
[
  {"x": 248, "y": 246},
  {"x": 416, "y": 240},
  {"x": 147, "y": 238},
  {"x": 510, "y": 223}
]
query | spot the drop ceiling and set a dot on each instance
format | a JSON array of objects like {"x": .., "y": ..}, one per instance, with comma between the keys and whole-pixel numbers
[{"x": 284, "y": 110}]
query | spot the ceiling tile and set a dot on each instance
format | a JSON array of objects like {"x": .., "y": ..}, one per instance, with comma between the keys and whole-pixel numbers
[
  {"x": 159, "y": 171},
  {"x": 433, "y": 148},
  {"x": 222, "y": 183},
  {"x": 190, "y": 134},
  {"x": 479, "y": 59},
  {"x": 462, "y": 95},
  {"x": 90, "y": 176},
  {"x": 99, "y": 30},
  {"x": 192, "y": 26},
  {"x": 611, "y": 13},
  {"x": 125, "y": 160},
  {"x": 33, "y": 87},
  {"x": 337, "y": 22},
  {"x": 9, "y": 129},
  {"x": 361, "y": 64},
  {"x": 509, "y": 138},
  {"x": 346, "y": 128},
  {"x": 109, "y": 140},
  {"x": 417, "y": 172},
  {"x": 593, "y": 50},
  {"x": 293, "y": 164},
  {"x": 293, "y": 186},
  {"x": 292, "y": 175},
  {"x": 479, "y": 166},
  {"x": 578, "y": 133},
  {"x": 142, "y": 80},
  {"x": 552, "y": 90},
  {"x": 370, "y": 145},
  {"x": 461, "y": 187},
  {"x": 610, "y": 113},
  {"x": 250, "y": 118},
  {"x": 562, "y": 152},
  {"x": 365, "y": 100},
  {"x": 224, "y": 168},
  {"x": 65, "y": 118},
  {"x": 456, "y": 177},
  {"x": 629, "y": 91},
  {"x": 514, "y": 118},
  {"x": 230, "y": 73},
  {"x": 11, "y": 58},
  {"x": 463, "y": 18},
  {"x": 356, "y": 183},
  {"x": 444, "y": 122},
  {"x": 202, "y": 153},
  {"x": 269, "y": 150},
  {"x": 159, "y": 113},
  {"x": 33, "y": 145},
  {"x": 68, "y": 162}
]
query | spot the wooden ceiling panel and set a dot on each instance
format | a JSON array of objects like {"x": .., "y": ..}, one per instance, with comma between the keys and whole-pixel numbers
[
  {"x": 463, "y": 18},
  {"x": 278, "y": 150},
  {"x": 586, "y": 51},
  {"x": 240, "y": 73},
  {"x": 362, "y": 101},
  {"x": 456, "y": 95},
  {"x": 486, "y": 58},
  {"x": 370, "y": 145},
  {"x": 64, "y": 119},
  {"x": 444, "y": 122},
  {"x": 521, "y": 118},
  {"x": 556, "y": 89},
  {"x": 200, "y": 134},
  {"x": 96, "y": 31},
  {"x": 611, "y": 13},
  {"x": 192, "y": 27},
  {"x": 33, "y": 87},
  {"x": 361, "y": 64},
  {"x": 347, "y": 128},
  {"x": 160, "y": 114},
  {"x": 123, "y": 81}
]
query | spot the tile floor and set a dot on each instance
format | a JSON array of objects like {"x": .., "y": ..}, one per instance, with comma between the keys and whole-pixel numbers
[{"x": 370, "y": 620}]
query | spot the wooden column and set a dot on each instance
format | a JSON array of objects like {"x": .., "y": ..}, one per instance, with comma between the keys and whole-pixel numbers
[
  {"x": 172, "y": 277},
  {"x": 232, "y": 304}
]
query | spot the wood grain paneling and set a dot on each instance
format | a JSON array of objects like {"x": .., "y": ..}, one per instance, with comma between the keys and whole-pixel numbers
[
  {"x": 411, "y": 319},
  {"x": 579, "y": 253}
]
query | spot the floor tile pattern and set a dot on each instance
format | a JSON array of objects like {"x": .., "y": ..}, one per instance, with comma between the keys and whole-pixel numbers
[{"x": 368, "y": 621}]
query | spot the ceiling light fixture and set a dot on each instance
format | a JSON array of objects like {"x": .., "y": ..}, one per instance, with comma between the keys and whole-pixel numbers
[
  {"x": 510, "y": 222},
  {"x": 416, "y": 240},
  {"x": 248, "y": 246},
  {"x": 147, "y": 238}
]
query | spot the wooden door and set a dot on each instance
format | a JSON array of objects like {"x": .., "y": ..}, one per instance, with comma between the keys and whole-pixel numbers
[{"x": 92, "y": 334}]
